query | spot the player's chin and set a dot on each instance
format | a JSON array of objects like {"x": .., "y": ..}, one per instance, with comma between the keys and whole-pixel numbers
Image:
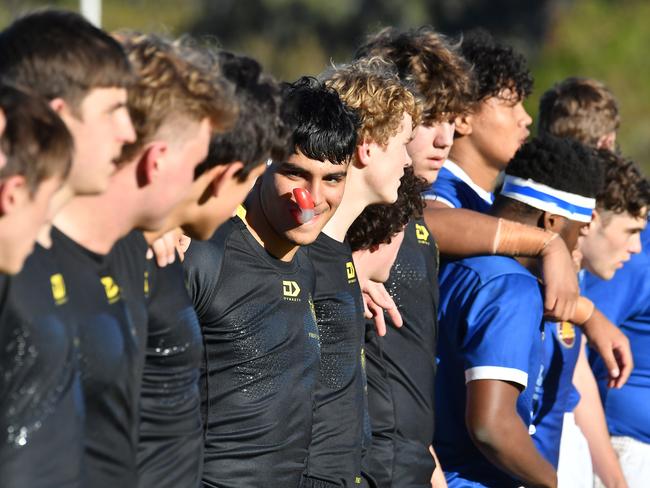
[{"x": 303, "y": 237}]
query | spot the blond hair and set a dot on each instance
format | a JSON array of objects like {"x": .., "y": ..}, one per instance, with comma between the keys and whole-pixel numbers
[{"x": 372, "y": 88}]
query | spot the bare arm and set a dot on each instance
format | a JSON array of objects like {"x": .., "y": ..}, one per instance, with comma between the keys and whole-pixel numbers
[
  {"x": 499, "y": 433},
  {"x": 590, "y": 417},
  {"x": 461, "y": 232}
]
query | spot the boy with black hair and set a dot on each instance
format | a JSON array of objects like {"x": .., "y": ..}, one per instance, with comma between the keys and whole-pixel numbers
[
  {"x": 40, "y": 403},
  {"x": 170, "y": 449},
  {"x": 618, "y": 219},
  {"x": 486, "y": 138},
  {"x": 490, "y": 303},
  {"x": 252, "y": 290},
  {"x": 388, "y": 113}
]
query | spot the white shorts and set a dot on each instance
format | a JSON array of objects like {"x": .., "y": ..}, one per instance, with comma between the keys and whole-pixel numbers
[
  {"x": 634, "y": 457},
  {"x": 574, "y": 467}
]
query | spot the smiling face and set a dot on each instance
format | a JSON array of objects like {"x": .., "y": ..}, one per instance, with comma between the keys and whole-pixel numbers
[
  {"x": 430, "y": 148},
  {"x": 100, "y": 129},
  {"x": 611, "y": 241},
  {"x": 500, "y": 127},
  {"x": 323, "y": 180}
]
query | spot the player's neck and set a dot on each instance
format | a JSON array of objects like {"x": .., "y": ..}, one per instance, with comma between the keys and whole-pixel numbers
[
  {"x": 470, "y": 160},
  {"x": 356, "y": 198},
  {"x": 260, "y": 228},
  {"x": 97, "y": 222}
]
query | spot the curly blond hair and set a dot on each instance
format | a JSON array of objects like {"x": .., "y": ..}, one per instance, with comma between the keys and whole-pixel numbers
[
  {"x": 169, "y": 86},
  {"x": 372, "y": 88}
]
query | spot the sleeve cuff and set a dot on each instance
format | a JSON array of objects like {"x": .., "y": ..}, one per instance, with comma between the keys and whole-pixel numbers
[{"x": 497, "y": 373}]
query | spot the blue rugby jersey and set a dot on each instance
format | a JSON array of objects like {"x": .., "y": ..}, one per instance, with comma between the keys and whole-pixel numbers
[
  {"x": 490, "y": 328},
  {"x": 554, "y": 392},
  {"x": 455, "y": 188},
  {"x": 625, "y": 300}
]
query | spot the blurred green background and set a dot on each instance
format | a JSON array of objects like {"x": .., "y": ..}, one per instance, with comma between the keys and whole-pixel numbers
[{"x": 605, "y": 39}]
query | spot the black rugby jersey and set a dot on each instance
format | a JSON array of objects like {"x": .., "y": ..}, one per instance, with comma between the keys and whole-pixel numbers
[
  {"x": 170, "y": 450},
  {"x": 261, "y": 355},
  {"x": 337, "y": 432},
  {"x": 107, "y": 300},
  {"x": 41, "y": 404},
  {"x": 401, "y": 368}
]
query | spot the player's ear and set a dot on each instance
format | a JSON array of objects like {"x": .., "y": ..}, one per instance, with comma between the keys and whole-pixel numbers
[
  {"x": 553, "y": 222},
  {"x": 150, "y": 162},
  {"x": 14, "y": 193},
  {"x": 225, "y": 176},
  {"x": 463, "y": 124},
  {"x": 596, "y": 221},
  {"x": 607, "y": 141},
  {"x": 364, "y": 151}
]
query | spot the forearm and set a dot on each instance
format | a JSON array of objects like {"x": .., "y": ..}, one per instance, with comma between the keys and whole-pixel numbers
[
  {"x": 507, "y": 445},
  {"x": 590, "y": 417}
]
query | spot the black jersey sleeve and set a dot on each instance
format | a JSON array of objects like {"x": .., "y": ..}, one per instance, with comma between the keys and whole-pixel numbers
[{"x": 202, "y": 264}]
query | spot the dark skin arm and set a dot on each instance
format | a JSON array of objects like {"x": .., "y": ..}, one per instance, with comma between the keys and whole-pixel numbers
[
  {"x": 499, "y": 433},
  {"x": 460, "y": 232}
]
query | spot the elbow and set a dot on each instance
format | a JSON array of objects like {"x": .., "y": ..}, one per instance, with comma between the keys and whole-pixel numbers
[{"x": 484, "y": 431}]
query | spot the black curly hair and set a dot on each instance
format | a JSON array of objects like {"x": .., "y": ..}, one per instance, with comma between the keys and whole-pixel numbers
[
  {"x": 379, "y": 223},
  {"x": 258, "y": 132},
  {"x": 560, "y": 163},
  {"x": 496, "y": 66},
  {"x": 625, "y": 189}
]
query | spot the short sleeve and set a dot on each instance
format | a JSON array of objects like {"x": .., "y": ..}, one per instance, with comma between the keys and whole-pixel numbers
[
  {"x": 202, "y": 267},
  {"x": 502, "y": 327}
]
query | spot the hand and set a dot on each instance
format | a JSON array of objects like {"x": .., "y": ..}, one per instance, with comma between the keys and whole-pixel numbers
[
  {"x": 165, "y": 247},
  {"x": 561, "y": 289},
  {"x": 375, "y": 300},
  {"x": 438, "y": 477},
  {"x": 613, "y": 347}
]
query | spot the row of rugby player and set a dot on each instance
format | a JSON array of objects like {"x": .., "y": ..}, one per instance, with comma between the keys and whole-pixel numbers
[{"x": 151, "y": 338}]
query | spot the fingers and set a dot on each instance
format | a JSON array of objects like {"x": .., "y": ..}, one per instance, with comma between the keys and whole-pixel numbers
[
  {"x": 366, "y": 311},
  {"x": 382, "y": 299},
  {"x": 182, "y": 244},
  {"x": 378, "y": 318},
  {"x": 624, "y": 361}
]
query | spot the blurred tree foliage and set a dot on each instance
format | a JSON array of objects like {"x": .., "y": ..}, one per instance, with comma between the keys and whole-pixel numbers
[{"x": 605, "y": 39}]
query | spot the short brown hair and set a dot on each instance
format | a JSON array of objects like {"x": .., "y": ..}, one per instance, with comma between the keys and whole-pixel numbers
[
  {"x": 372, "y": 88},
  {"x": 426, "y": 60},
  {"x": 625, "y": 189},
  {"x": 36, "y": 142},
  {"x": 58, "y": 54},
  {"x": 581, "y": 108},
  {"x": 170, "y": 84}
]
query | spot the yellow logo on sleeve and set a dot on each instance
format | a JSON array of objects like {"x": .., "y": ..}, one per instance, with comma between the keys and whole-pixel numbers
[
  {"x": 111, "y": 288},
  {"x": 566, "y": 332},
  {"x": 421, "y": 234},
  {"x": 291, "y": 290},
  {"x": 350, "y": 271},
  {"x": 59, "y": 292}
]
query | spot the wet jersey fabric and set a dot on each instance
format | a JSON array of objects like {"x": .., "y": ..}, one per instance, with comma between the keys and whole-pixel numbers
[
  {"x": 555, "y": 394},
  {"x": 107, "y": 300},
  {"x": 41, "y": 404},
  {"x": 455, "y": 188},
  {"x": 337, "y": 431},
  {"x": 261, "y": 358},
  {"x": 490, "y": 328},
  {"x": 401, "y": 368},
  {"x": 170, "y": 450},
  {"x": 625, "y": 300}
]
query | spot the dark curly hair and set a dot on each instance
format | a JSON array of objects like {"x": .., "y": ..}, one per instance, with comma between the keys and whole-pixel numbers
[
  {"x": 258, "y": 131},
  {"x": 379, "y": 223},
  {"x": 496, "y": 66},
  {"x": 322, "y": 127},
  {"x": 562, "y": 164},
  {"x": 625, "y": 189},
  {"x": 428, "y": 62}
]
